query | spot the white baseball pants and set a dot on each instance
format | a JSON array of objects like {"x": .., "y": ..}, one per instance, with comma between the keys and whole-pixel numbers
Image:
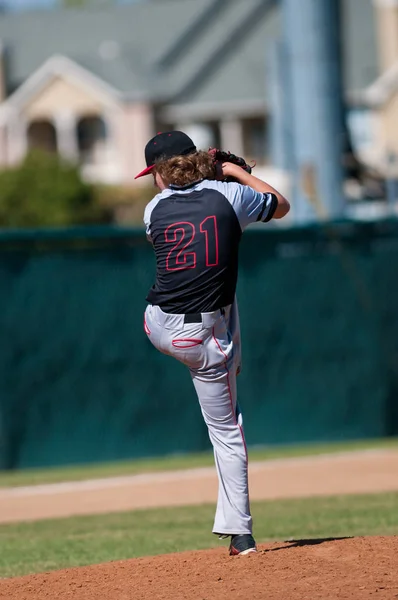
[{"x": 211, "y": 351}]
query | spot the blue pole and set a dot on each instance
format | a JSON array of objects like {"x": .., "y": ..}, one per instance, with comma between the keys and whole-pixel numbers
[
  {"x": 312, "y": 40},
  {"x": 280, "y": 127}
]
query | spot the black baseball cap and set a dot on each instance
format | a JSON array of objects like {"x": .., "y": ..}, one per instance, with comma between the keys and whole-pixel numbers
[{"x": 166, "y": 145}]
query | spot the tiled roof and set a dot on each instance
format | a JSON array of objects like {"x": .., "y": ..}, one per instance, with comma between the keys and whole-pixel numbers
[{"x": 179, "y": 51}]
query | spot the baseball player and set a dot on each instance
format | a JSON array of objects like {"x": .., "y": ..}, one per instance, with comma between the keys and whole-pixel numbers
[{"x": 195, "y": 224}]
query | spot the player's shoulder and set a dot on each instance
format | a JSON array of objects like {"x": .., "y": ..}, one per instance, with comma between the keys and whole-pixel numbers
[
  {"x": 235, "y": 192},
  {"x": 230, "y": 190},
  {"x": 153, "y": 203}
]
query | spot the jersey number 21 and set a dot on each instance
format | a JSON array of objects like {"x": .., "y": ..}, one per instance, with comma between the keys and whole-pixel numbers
[{"x": 182, "y": 234}]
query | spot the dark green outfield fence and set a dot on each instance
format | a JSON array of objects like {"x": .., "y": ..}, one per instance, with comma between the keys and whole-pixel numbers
[{"x": 80, "y": 382}]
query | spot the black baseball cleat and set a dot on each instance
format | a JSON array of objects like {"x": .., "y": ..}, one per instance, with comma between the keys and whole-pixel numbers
[{"x": 242, "y": 544}]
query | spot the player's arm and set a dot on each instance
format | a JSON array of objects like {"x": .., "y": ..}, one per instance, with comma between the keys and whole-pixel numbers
[{"x": 232, "y": 170}]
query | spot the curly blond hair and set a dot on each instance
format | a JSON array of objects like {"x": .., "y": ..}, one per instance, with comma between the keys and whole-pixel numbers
[{"x": 184, "y": 170}]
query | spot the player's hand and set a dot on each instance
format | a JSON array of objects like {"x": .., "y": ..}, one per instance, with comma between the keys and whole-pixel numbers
[{"x": 229, "y": 169}]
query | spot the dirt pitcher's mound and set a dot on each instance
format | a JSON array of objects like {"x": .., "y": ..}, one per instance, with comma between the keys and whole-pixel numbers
[{"x": 306, "y": 569}]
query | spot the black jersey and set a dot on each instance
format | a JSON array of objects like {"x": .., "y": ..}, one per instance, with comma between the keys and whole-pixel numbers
[{"x": 195, "y": 232}]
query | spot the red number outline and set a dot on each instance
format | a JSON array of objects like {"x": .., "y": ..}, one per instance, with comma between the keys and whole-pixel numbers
[
  {"x": 181, "y": 258},
  {"x": 183, "y": 264},
  {"x": 205, "y": 231}
]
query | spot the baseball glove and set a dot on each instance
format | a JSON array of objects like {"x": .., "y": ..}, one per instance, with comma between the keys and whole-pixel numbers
[{"x": 221, "y": 156}]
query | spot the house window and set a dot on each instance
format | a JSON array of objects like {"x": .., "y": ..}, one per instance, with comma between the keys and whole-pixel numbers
[
  {"x": 92, "y": 139},
  {"x": 42, "y": 136},
  {"x": 255, "y": 139}
]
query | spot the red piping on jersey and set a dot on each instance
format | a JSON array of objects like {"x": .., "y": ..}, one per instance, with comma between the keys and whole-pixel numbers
[
  {"x": 186, "y": 343},
  {"x": 146, "y": 328},
  {"x": 230, "y": 394}
]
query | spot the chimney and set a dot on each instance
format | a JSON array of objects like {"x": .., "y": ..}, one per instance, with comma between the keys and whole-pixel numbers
[{"x": 387, "y": 32}]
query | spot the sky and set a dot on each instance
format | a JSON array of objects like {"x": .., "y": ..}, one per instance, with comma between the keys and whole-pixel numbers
[{"x": 32, "y": 4}]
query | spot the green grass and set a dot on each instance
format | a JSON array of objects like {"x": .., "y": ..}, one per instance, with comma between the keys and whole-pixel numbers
[
  {"x": 82, "y": 472},
  {"x": 55, "y": 544}
]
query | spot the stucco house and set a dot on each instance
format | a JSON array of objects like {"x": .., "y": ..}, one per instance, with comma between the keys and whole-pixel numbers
[{"x": 95, "y": 84}]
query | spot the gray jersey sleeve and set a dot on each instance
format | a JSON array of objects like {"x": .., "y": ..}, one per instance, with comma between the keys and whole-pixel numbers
[
  {"x": 250, "y": 206},
  {"x": 147, "y": 220},
  {"x": 148, "y": 211}
]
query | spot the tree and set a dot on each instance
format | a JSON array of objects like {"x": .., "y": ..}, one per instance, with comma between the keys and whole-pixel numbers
[{"x": 44, "y": 192}]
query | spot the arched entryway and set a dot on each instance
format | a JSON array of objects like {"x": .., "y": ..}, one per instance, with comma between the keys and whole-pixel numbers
[
  {"x": 92, "y": 138},
  {"x": 42, "y": 136}
]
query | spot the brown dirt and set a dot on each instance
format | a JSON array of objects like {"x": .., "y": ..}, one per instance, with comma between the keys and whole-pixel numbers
[{"x": 351, "y": 569}]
